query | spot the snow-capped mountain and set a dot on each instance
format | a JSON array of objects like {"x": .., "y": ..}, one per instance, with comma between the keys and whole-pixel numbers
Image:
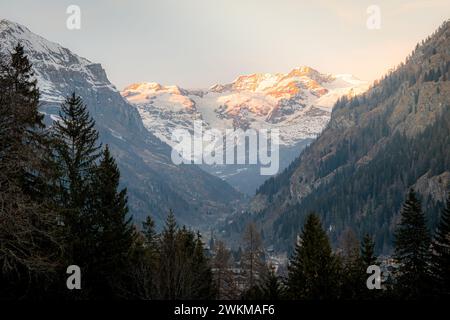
[
  {"x": 297, "y": 103},
  {"x": 49, "y": 59},
  {"x": 154, "y": 183}
]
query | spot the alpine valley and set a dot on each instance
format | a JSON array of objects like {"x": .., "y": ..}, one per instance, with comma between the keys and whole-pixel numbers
[
  {"x": 348, "y": 151},
  {"x": 302, "y": 185},
  {"x": 155, "y": 185}
]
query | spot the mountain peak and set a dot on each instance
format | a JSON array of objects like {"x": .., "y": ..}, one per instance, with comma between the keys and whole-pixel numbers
[
  {"x": 151, "y": 87},
  {"x": 305, "y": 70},
  {"x": 143, "y": 92},
  {"x": 49, "y": 59},
  {"x": 6, "y": 24},
  {"x": 143, "y": 86},
  {"x": 12, "y": 33}
]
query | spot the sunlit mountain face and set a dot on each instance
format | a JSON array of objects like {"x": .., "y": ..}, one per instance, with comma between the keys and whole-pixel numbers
[{"x": 297, "y": 103}]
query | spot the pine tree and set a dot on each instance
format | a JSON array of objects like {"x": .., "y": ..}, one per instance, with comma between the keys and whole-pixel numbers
[
  {"x": 353, "y": 276},
  {"x": 441, "y": 253},
  {"x": 367, "y": 258},
  {"x": 144, "y": 262},
  {"x": 29, "y": 250},
  {"x": 167, "y": 276},
  {"x": 368, "y": 251},
  {"x": 151, "y": 247},
  {"x": 77, "y": 150},
  {"x": 271, "y": 287},
  {"x": 355, "y": 263},
  {"x": 25, "y": 88},
  {"x": 185, "y": 275},
  {"x": 313, "y": 271},
  {"x": 110, "y": 227},
  {"x": 412, "y": 243},
  {"x": 148, "y": 229},
  {"x": 184, "y": 269},
  {"x": 142, "y": 280},
  {"x": 202, "y": 274},
  {"x": 23, "y": 139},
  {"x": 76, "y": 153}
]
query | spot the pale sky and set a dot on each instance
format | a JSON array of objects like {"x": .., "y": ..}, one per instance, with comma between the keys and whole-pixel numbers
[{"x": 197, "y": 43}]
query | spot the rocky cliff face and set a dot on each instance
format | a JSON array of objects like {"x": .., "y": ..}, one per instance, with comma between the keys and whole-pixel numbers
[
  {"x": 376, "y": 146},
  {"x": 154, "y": 183}
]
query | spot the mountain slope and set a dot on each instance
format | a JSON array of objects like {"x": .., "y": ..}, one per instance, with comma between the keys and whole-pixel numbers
[
  {"x": 154, "y": 183},
  {"x": 376, "y": 146},
  {"x": 297, "y": 103}
]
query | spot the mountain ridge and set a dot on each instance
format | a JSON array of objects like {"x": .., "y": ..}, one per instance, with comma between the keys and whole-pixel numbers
[
  {"x": 280, "y": 95},
  {"x": 297, "y": 103},
  {"x": 377, "y": 145},
  {"x": 154, "y": 183}
]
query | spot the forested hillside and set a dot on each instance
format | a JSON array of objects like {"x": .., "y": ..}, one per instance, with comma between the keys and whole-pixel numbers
[{"x": 376, "y": 146}]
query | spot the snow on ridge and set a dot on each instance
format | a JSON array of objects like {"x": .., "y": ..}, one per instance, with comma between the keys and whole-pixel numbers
[
  {"x": 13, "y": 33},
  {"x": 48, "y": 59},
  {"x": 297, "y": 103}
]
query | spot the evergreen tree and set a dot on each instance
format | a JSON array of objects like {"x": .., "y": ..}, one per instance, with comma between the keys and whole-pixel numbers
[
  {"x": 184, "y": 270},
  {"x": 28, "y": 132},
  {"x": 142, "y": 279},
  {"x": 144, "y": 262},
  {"x": 412, "y": 243},
  {"x": 76, "y": 152},
  {"x": 22, "y": 137},
  {"x": 188, "y": 265},
  {"x": 441, "y": 253},
  {"x": 202, "y": 274},
  {"x": 368, "y": 251},
  {"x": 167, "y": 276},
  {"x": 313, "y": 271},
  {"x": 26, "y": 93},
  {"x": 151, "y": 237},
  {"x": 185, "y": 277},
  {"x": 367, "y": 258},
  {"x": 152, "y": 256},
  {"x": 271, "y": 287},
  {"x": 29, "y": 250},
  {"x": 353, "y": 276},
  {"x": 110, "y": 228}
]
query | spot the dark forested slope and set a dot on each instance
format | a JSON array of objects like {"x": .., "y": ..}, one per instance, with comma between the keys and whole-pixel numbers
[{"x": 376, "y": 146}]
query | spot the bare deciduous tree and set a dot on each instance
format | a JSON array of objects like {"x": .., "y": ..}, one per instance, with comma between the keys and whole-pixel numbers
[{"x": 253, "y": 256}]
